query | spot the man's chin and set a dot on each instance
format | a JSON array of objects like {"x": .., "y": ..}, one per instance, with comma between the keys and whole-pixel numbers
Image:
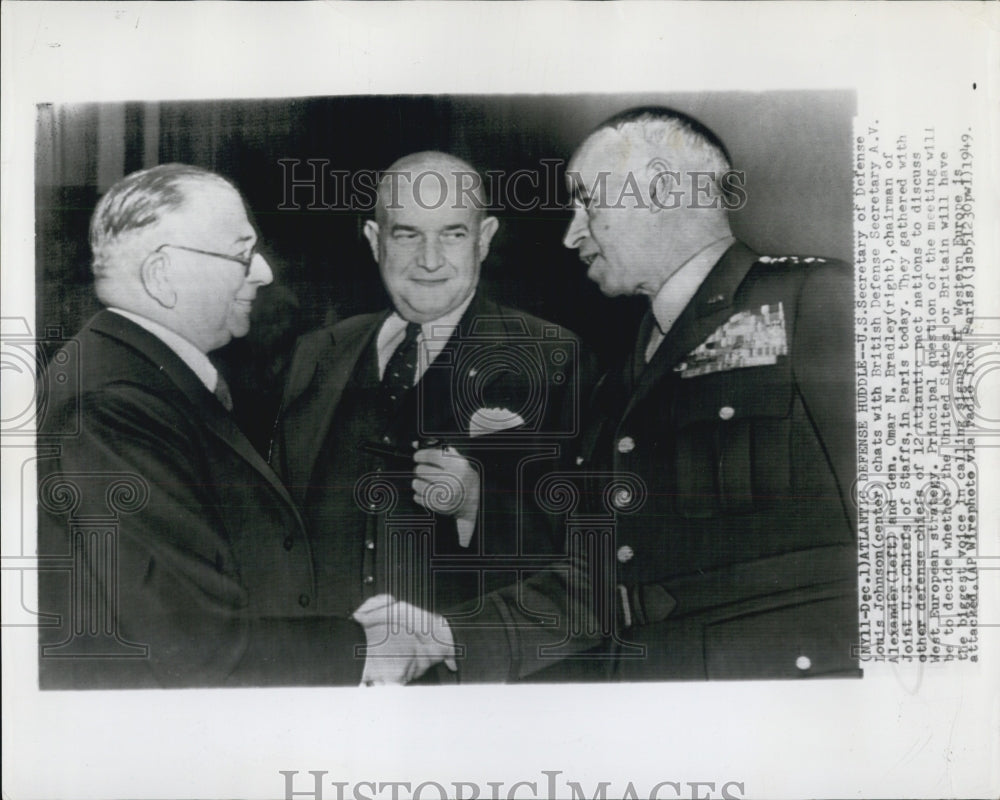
[
  {"x": 422, "y": 312},
  {"x": 609, "y": 290},
  {"x": 238, "y": 330}
]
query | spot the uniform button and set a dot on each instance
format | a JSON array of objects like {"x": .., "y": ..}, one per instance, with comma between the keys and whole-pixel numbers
[
  {"x": 303, "y": 600},
  {"x": 626, "y": 444},
  {"x": 622, "y": 498},
  {"x": 372, "y": 506},
  {"x": 579, "y": 460},
  {"x": 370, "y": 544},
  {"x": 386, "y": 440},
  {"x": 726, "y": 412},
  {"x": 287, "y": 544},
  {"x": 625, "y": 553},
  {"x": 803, "y": 663},
  {"x": 369, "y": 580}
]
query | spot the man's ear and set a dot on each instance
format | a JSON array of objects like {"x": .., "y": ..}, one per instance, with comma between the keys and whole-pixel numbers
[
  {"x": 487, "y": 228},
  {"x": 371, "y": 234},
  {"x": 155, "y": 276},
  {"x": 664, "y": 185}
]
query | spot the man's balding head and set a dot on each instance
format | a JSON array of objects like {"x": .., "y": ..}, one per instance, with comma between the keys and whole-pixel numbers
[
  {"x": 431, "y": 179},
  {"x": 430, "y": 233}
]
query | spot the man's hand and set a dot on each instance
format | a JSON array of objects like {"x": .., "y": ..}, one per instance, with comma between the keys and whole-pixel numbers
[
  {"x": 404, "y": 641},
  {"x": 446, "y": 482}
]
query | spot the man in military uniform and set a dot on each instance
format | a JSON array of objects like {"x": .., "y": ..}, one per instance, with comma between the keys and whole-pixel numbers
[{"x": 735, "y": 411}]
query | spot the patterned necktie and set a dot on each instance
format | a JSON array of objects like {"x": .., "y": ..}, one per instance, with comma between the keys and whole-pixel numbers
[
  {"x": 223, "y": 394},
  {"x": 401, "y": 369}
]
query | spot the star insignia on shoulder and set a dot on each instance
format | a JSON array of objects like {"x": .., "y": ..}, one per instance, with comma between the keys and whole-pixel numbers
[{"x": 791, "y": 260}]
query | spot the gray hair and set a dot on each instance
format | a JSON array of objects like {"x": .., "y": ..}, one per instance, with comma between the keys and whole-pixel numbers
[
  {"x": 135, "y": 204},
  {"x": 661, "y": 126}
]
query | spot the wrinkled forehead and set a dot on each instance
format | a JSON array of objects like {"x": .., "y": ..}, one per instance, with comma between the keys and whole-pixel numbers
[
  {"x": 210, "y": 207},
  {"x": 606, "y": 151}
]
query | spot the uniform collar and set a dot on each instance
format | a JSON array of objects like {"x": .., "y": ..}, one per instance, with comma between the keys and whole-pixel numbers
[{"x": 680, "y": 287}]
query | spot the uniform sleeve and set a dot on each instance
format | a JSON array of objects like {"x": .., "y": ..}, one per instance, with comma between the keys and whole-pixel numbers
[
  {"x": 526, "y": 627},
  {"x": 824, "y": 368}
]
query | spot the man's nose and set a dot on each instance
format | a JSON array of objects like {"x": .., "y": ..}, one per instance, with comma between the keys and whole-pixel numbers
[
  {"x": 260, "y": 271},
  {"x": 430, "y": 256},
  {"x": 578, "y": 229}
]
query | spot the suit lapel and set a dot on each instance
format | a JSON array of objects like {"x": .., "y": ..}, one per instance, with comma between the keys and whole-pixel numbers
[
  {"x": 436, "y": 394},
  {"x": 210, "y": 411},
  {"x": 331, "y": 371},
  {"x": 710, "y": 307}
]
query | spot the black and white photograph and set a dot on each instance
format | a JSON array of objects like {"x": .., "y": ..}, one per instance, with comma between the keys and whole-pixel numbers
[
  {"x": 490, "y": 437},
  {"x": 710, "y": 426}
]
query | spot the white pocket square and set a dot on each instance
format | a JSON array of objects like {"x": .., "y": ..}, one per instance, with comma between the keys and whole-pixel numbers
[{"x": 493, "y": 420}]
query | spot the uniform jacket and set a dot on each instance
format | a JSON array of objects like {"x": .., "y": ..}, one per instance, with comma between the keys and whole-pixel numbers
[
  {"x": 724, "y": 468},
  {"x": 497, "y": 358},
  {"x": 208, "y": 570}
]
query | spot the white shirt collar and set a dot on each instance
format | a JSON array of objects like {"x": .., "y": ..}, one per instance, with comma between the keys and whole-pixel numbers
[
  {"x": 433, "y": 337},
  {"x": 186, "y": 352},
  {"x": 680, "y": 287}
]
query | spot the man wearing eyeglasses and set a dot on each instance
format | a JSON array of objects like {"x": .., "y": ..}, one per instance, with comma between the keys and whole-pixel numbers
[{"x": 169, "y": 551}]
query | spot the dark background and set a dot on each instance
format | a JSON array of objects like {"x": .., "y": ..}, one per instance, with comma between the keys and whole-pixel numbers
[{"x": 795, "y": 148}]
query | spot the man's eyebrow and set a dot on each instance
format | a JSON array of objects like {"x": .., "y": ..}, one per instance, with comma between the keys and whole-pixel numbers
[
  {"x": 458, "y": 226},
  {"x": 405, "y": 228}
]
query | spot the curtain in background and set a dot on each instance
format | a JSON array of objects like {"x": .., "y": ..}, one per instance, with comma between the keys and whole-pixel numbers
[{"x": 794, "y": 146}]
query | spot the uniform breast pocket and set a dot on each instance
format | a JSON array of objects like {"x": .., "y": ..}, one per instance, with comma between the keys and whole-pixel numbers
[{"x": 732, "y": 433}]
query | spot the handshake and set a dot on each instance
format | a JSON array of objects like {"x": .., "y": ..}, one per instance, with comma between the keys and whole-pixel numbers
[{"x": 403, "y": 640}]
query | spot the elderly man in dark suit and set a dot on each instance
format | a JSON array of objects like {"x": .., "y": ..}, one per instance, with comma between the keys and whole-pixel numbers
[
  {"x": 170, "y": 552},
  {"x": 412, "y": 437}
]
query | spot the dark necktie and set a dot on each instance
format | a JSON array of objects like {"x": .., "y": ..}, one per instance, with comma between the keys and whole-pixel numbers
[
  {"x": 639, "y": 351},
  {"x": 223, "y": 394},
  {"x": 401, "y": 369}
]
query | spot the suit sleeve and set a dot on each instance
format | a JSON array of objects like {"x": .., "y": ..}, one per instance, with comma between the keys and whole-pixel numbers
[
  {"x": 177, "y": 586},
  {"x": 299, "y": 373},
  {"x": 525, "y": 627}
]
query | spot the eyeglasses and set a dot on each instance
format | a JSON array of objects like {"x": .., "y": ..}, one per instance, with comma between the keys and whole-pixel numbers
[{"x": 246, "y": 263}]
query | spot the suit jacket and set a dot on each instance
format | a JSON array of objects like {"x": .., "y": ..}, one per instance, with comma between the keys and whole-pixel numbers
[
  {"x": 723, "y": 470},
  {"x": 496, "y": 358},
  {"x": 191, "y": 552}
]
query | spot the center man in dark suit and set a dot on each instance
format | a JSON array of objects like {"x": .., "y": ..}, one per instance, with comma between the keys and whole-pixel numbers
[{"x": 408, "y": 436}]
